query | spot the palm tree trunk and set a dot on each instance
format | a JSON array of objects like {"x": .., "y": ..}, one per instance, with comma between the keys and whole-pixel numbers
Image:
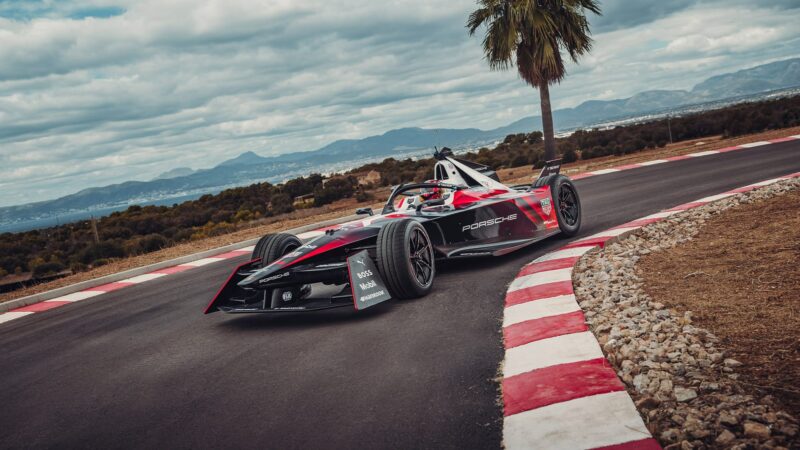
[{"x": 547, "y": 123}]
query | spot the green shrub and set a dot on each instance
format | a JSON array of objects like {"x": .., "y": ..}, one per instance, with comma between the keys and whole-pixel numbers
[
  {"x": 153, "y": 242},
  {"x": 364, "y": 196},
  {"x": 49, "y": 268},
  {"x": 569, "y": 156}
]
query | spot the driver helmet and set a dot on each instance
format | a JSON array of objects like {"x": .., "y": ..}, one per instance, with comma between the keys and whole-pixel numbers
[{"x": 430, "y": 193}]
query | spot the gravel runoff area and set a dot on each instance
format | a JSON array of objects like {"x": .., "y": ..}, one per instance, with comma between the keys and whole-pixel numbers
[
  {"x": 687, "y": 389},
  {"x": 740, "y": 277}
]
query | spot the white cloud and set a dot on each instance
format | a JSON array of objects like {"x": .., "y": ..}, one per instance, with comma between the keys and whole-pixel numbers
[{"x": 185, "y": 83}]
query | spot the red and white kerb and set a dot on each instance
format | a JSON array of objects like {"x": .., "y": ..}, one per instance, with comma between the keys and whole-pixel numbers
[{"x": 559, "y": 391}]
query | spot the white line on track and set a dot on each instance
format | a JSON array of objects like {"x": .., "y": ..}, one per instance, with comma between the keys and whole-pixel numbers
[
  {"x": 77, "y": 296},
  {"x": 11, "y": 315},
  {"x": 714, "y": 198},
  {"x": 698, "y": 154},
  {"x": 538, "y": 309},
  {"x": 755, "y": 144},
  {"x": 538, "y": 278},
  {"x": 202, "y": 262},
  {"x": 549, "y": 352},
  {"x": 660, "y": 215},
  {"x": 653, "y": 162},
  {"x": 565, "y": 253},
  {"x": 765, "y": 182},
  {"x": 610, "y": 233},
  {"x": 144, "y": 278},
  {"x": 604, "y": 171},
  {"x": 588, "y": 422}
]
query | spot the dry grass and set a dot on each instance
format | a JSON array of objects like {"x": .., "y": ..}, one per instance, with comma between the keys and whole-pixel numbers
[
  {"x": 519, "y": 175},
  {"x": 741, "y": 279}
]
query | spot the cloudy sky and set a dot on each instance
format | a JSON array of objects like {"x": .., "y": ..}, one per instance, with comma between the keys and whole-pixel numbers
[{"x": 101, "y": 91}]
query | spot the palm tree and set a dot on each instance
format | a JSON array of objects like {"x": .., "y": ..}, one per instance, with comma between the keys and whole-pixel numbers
[{"x": 532, "y": 35}]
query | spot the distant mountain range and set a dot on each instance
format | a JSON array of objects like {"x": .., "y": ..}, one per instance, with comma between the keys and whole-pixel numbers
[
  {"x": 175, "y": 173},
  {"x": 184, "y": 183}
]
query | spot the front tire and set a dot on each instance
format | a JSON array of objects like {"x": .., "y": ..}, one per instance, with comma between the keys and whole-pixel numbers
[
  {"x": 567, "y": 205},
  {"x": 271, "y": 247},
  {"x": 405, "y": 259}
]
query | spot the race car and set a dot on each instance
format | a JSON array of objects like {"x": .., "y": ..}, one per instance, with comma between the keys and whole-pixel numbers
[{"x": 463, "y": 212}]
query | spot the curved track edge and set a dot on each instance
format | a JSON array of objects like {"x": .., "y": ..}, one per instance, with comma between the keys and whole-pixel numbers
[{"x": 558, "y": 389}]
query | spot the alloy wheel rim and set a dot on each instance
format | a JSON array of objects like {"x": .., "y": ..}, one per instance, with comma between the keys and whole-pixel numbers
[
  {"x": 421, "y": 257},
  {"x": 568, "y": 205}
]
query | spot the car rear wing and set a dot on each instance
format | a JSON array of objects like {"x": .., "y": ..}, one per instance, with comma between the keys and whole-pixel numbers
[{"x": 552, "y": 167}]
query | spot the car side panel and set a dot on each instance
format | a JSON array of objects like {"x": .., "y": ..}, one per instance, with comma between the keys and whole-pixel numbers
[{"x": 513, "y": 218}]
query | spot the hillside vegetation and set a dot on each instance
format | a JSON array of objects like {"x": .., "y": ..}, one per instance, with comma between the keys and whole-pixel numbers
[{"x": 137, "y": 230}]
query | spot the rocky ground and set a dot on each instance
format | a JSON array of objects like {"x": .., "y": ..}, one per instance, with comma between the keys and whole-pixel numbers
[
  {"x": 686, "y": 387},
  {"x": 740, "y": 278}
]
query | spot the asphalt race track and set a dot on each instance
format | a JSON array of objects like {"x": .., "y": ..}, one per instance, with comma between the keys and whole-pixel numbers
[{"x": 144, "y": 367}]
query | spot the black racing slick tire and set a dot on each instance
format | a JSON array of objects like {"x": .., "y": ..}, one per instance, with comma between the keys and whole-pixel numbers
[
  {"x": 272, "y": 246},
  {"x": 406, "y": 259},
  {"x": 567, "y": 205}
]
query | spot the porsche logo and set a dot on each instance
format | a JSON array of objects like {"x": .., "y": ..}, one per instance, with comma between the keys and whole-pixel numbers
[{"x": 488, "y": 223}]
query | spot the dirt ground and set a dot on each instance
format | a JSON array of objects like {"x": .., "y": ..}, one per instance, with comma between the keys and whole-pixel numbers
[
  {"x": 740, "y": 277},
  {"x": 345, "y": 207}
]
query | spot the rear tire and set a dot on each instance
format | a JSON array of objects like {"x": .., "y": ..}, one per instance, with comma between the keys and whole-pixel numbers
[
  {"x": 567, "y": 205},
  {"x": 273, "y": 246},
  {"x": 405, "y": 259}
]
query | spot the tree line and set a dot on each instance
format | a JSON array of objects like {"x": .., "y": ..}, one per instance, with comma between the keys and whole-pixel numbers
[{"x": 143, "y": 229}]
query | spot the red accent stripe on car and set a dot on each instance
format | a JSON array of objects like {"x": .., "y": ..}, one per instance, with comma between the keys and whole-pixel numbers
[
  {"x": 336, "y": 243},
  {"x": 526, "y": 209},
  {"x": 230, "y": 277}
]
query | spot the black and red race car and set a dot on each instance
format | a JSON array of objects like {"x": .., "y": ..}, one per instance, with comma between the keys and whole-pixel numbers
[{"x": 464, "y": 212}]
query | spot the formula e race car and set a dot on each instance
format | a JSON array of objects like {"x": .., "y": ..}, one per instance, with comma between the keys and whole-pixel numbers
[{"x": 464, "y": 212}]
